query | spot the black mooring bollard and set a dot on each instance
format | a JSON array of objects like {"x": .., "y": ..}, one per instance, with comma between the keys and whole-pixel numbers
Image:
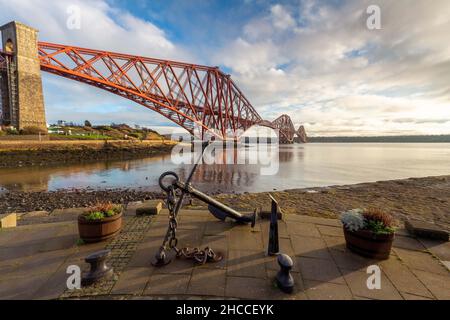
[
  {"x": 99, "y": 269},
  {"x": 284, "y": 279},
  {"x": 274, "y": 246}
]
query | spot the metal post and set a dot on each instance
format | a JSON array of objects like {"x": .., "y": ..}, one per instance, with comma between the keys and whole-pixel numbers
[{"x": 274, "y": 246}]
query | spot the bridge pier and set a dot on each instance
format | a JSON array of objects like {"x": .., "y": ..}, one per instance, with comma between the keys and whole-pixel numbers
[
  {"x": 230, "y": 143},
  {"x": 21, "y": 82},
  {"x": 260, "y": 140},
  {"x": 225, "y": 144}
]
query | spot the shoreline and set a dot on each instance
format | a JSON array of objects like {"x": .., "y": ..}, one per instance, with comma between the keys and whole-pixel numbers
[
  {"x": 426, "y": 199},
  {"x": 16, "y": 154}
]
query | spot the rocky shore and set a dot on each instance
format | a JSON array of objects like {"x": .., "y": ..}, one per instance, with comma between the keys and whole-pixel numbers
[
  {"x": 35, "y": 153},
  {"x": 426, "y": 199},
  {"x": 20, "y": 202}
]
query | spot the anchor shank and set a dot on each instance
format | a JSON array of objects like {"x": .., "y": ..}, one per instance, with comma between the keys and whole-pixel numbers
[
  {"x": 191, "y": 175},
  {"x": 208, "y": 200}
]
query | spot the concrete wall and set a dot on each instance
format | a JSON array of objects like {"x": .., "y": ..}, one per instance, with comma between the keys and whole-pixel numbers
[{"x": 30, "y": 109}]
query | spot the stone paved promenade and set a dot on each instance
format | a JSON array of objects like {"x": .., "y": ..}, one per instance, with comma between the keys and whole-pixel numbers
[{"x": 33, "y": 262}]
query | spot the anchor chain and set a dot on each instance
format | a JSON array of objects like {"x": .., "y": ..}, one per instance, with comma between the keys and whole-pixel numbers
[{"x": 199, "y": 256}]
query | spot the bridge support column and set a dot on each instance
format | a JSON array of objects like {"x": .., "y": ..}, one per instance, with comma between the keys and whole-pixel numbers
[
  {"x": 23, "y": 87},
  {"x": 230, "y": 143}
]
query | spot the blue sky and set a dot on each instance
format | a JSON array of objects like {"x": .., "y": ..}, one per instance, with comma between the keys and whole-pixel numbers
[
  {"x": 185, "y": 21},
  {"x": 312, "y": 59}
]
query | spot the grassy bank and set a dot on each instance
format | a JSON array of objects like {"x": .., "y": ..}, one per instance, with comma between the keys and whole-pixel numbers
[{"x": 35, "y": 153}]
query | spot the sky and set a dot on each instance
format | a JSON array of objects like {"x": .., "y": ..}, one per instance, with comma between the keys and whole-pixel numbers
[{"x": 314, "y": 60}]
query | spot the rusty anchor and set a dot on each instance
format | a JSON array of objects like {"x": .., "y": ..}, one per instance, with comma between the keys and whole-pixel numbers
[
  {"x": 216, "y": 208},
  {"x": 174, "y": 203}
]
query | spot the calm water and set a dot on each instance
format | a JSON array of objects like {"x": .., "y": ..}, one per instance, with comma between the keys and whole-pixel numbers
[{"x": 300, "y": 166}]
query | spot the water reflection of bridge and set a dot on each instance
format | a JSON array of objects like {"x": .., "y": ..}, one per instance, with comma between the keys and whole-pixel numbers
[
  {"x": 228, "y": 170},
  {"x": 225, "y": 177},
  {"x": 32, "y": 179}
]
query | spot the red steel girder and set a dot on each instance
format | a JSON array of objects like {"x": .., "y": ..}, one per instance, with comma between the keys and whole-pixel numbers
[
  {"x": 286, "y": 129},
  {"x": 198, "y": 98}
]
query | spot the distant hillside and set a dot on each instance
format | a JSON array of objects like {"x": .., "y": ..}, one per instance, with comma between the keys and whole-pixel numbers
[
  {"x": 384, "y": 139},
  {"x": 111, "y": 132}
]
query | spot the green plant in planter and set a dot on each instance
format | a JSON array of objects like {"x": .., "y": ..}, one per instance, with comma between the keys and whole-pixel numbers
[
  {"x": 94, "y": 216},
  {"x": 102, "y": 211},
  {"x": 379, "y": 222},
  {"x": 373, "y": 220}
]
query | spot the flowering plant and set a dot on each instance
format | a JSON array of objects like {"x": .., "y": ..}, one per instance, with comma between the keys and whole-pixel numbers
[
  {"x": 353, "y": 220},
  {"x": 102, "y": 211},
  {"x": 373, "y": 220}
]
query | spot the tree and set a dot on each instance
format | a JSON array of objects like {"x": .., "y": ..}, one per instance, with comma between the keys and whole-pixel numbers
[{"x": 87, "y": 123}]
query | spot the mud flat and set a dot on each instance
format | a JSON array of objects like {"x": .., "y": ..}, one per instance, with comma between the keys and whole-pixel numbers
[
  {"x": 35, "y": 153},
  {"x": 426, "y": 199}
]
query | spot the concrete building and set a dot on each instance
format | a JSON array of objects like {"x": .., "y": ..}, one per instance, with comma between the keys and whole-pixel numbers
[{"x": 21, "y": 83}]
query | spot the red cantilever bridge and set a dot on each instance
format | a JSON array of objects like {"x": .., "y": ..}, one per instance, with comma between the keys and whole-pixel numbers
[{"x": 198, "y": 98}]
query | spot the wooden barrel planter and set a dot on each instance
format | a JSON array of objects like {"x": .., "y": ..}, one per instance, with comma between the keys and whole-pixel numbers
[
  {"x": 369, "y": 244},
  {"x": 99, "y": 230}
]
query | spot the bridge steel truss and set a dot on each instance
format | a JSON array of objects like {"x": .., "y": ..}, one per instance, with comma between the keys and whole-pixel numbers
[{"x": 201, "y": 99}]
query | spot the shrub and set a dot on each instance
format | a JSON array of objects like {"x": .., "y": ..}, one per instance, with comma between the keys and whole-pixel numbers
[
  {"x": 104, "y": 128},
  {"x": 135, "y": 135},
  {"x": 12, "y": 131},
  {"x": 32, "y": 130}
]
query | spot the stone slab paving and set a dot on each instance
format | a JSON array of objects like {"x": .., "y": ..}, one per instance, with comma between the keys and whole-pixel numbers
[
  {"x": 34, "y": 259},
  {"x": 122, "y": 249},
  {"x": 33, "y": 262}
]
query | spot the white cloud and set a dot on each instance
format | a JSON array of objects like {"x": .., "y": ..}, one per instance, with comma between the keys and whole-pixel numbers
[
  {"x": 102, "y": 27},
  {"x": 340, "y": 78},
  {"x": 281, "y": 18}
]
